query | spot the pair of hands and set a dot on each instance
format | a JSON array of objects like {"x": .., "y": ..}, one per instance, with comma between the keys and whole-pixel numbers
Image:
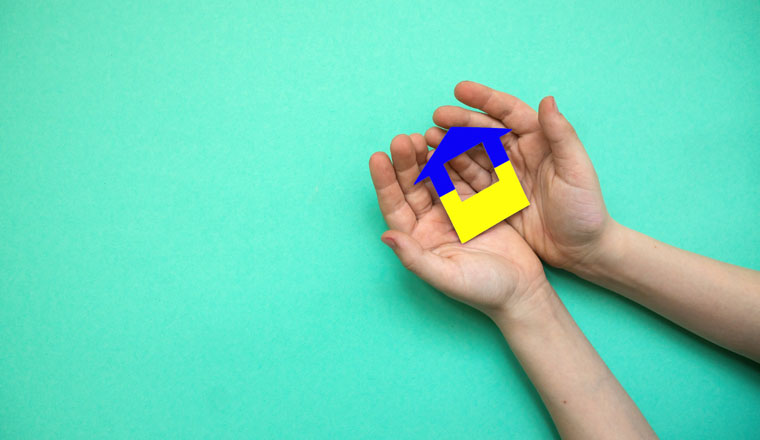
[{"x": 500, "y": 269}]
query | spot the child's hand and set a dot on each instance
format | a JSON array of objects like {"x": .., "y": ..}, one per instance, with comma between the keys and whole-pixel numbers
[
  {"x": 566, "y": 219},
  {"x": 493, "y": 272}
]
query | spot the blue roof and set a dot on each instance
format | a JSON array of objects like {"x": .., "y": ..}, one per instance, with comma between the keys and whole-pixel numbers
[{"x": 457, "y": 141}]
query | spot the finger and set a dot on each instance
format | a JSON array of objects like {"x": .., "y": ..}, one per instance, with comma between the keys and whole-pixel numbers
[
  {"x": 479, "y": 155},
  {"x": 449, "y": 116},
  {"x": 423, "y": 155},
  {"x": 429, "y": 183},
  {"x": 426, "y": 265},
  {"x": 420, "y": 147},
  {"x": 471, "y": 172},
  {"x": 567, "y": 150},
  {"x": 434, "y": 136},
  {"x": 463, "y": 188},
  {"x": 393, "y": 205},
  {"x": 405, "y": 163},
  {"x": 506, "y": 108}
]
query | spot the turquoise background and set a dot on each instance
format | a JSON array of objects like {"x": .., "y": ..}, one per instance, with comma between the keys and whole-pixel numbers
[{"x": 189, "y": 238}]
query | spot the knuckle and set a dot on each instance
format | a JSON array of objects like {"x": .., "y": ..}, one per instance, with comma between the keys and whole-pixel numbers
[{"x": 409, "y": 264}]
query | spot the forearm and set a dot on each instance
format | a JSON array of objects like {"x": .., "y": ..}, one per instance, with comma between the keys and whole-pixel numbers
[
  {"x": 580, "y": 392},
  {"x": 718, "y": 301}
]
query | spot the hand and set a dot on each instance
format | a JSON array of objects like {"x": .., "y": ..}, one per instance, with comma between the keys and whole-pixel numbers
[
  {"x": 566, "y": 220},
  {"x": 493, "y": 272}
]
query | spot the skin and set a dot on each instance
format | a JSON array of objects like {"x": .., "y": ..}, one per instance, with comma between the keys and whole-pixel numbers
[
  {"x": 489, "y": 272},
  {"x": 567, "y": 225}
]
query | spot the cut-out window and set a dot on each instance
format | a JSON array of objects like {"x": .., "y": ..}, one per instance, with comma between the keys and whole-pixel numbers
[{"x": 475, "y": 168}]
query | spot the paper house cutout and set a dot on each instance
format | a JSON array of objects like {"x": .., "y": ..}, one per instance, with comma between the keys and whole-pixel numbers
[{"x": 483, "y": 210}]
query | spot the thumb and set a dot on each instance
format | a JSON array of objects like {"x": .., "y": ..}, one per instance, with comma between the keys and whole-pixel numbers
[
  {"x": 412, "y": 255},
  {"x": 567, "y": 149}
]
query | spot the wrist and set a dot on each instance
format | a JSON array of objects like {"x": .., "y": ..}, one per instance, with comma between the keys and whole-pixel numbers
[
  {"x": 608, "y": 252},
  {"x": 532, "y": 306}
]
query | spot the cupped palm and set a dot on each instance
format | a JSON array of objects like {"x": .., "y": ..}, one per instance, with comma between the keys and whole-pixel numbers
[
  {"x": 567, "y": 215},
  {"x": 488, "y": 272}
]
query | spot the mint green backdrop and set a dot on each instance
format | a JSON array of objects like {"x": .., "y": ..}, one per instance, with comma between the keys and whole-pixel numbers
[{"x": 189, "y": 238}]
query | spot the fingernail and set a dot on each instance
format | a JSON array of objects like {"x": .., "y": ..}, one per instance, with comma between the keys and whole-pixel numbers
[
  {"x": 553, "y": 103},
  {"x": 390, "y": 242}
]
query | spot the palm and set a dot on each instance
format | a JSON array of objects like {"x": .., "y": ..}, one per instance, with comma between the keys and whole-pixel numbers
[
  {"x": 484, "y": 272},
  {"x": 566, "y": 210}
]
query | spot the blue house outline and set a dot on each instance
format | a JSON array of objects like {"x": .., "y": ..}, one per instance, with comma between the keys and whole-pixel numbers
[{"x": 456, "y": 141}]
